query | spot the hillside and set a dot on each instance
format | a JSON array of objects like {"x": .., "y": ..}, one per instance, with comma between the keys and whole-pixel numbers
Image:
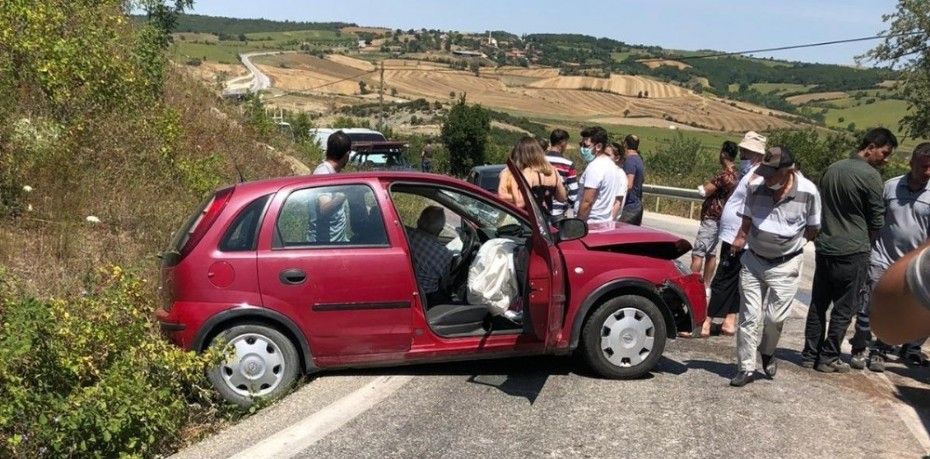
[{"x": 544, "y": 76}]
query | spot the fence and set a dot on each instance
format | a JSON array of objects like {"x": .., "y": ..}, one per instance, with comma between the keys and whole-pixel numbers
[{"x": 669, "y": 192}]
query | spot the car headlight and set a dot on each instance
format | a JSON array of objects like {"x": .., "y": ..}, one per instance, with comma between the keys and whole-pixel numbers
[{"x": 682, "y": 267}]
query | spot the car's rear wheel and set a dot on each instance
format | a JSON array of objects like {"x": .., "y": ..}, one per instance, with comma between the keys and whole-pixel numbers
[
  {"x": 262, "y": 363},
  {"x": 624, "y": 337}
]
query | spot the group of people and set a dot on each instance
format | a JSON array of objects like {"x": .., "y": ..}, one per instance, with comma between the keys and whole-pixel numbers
[
  {"x": 763, "y": 211},
  {"x": 610, "y": 188}
]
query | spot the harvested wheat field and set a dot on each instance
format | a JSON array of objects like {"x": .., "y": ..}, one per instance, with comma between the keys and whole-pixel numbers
[
  {"x": 656, "y": 63},
  {"x": 534, "y": 92},
  {"x": 802, "y": 99}
]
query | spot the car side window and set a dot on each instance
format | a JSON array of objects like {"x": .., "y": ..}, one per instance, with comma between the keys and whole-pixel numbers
[
  {"x": 241, "y": 235},
  {"x": 345, "y": 215}
]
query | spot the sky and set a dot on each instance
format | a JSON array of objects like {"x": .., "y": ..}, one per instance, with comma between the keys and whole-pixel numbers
[{"x": 734, "y": 25}]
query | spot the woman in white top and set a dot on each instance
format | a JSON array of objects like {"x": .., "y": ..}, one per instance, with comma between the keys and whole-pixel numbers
[{"x": 616, "y": 152}]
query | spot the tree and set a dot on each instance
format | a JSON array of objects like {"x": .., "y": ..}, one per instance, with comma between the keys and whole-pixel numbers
[
  {"x": 905, "y": 47},
  {"x": 362, "y": 88},
  {"x": 242, "y": 37},
  {"x": 475, "y": 67},
  {"x": 465, "y": 135}
]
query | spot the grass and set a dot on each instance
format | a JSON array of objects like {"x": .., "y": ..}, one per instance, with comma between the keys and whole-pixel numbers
[
  {"x": 228, "y": 51},
  {"x": 887, "y": 113},
  {"x": 299, "y": 35}
]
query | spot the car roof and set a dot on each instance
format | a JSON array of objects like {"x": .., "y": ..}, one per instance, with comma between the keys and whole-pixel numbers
[
  {"x": 489, "y": 168},
  {"x": 274, "y": 184},
  {"x": 346, "y": 130}
]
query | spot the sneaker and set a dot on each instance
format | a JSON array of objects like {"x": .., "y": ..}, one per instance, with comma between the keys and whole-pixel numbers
[
  {"x": 876, "y": 363},
  {"x": 742, "y": 378},
  {"x": 769, "y": 365},
  {"x": 836, "y": 366},
  {"x": 805, "y": 363},
  {"x": 913, "y": 358},
  {"x": 859, "y": 360}
]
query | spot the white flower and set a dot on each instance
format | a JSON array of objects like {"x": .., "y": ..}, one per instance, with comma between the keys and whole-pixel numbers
[
  {"x": 28, "y": 207},
  {"x": 27, "y": 189},
  {"x": 92, "y": 219}
]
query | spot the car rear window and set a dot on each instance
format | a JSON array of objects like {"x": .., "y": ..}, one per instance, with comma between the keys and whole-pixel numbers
[{"x": 242, "y": 233}]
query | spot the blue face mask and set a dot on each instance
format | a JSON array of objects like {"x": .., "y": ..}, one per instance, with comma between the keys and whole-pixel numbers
[
  {"x": 587, "y": 154},
  {"x": 744, "y": 166}
]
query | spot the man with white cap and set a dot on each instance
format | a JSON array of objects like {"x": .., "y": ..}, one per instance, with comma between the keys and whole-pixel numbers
[
  {"x": 781, "y": 214},
  {"x": 724, "y": 288}
]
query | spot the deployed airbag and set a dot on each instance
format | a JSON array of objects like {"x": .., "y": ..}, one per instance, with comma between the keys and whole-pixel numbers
[{"x": 492, "y": 278}]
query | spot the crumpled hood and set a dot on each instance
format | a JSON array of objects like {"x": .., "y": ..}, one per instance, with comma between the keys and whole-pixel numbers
[{"x": 635, "y": 240}]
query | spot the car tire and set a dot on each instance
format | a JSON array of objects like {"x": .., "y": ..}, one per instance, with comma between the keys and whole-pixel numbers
[
  {"x": 624, "y": 337},
  {"x": 263, "y": 365}
]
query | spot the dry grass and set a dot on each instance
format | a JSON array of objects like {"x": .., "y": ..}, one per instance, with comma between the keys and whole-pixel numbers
[
  {"x": 656, "y": 63},
  {"x": 120, "y": 176}
]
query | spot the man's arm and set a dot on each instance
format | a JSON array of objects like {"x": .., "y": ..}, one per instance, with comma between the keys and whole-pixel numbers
[
  {"x": 739, "y": 242},
  {"x": 875, "y": 205},
  {"x": 630, "y": 175},
  {"x": 588, "y": 196},
  {"x": 571, "y": 186},
  {"x": 897, "y": 314},
  {"x": 330, "y": 203}
]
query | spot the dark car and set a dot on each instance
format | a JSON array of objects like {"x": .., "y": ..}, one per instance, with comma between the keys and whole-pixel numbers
[
  {"x": 256, "y": 270},
  {"x": 486, "y": 177}
]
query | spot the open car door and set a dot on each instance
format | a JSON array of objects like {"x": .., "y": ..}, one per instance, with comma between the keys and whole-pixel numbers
[{"x": 545, "y": 310}]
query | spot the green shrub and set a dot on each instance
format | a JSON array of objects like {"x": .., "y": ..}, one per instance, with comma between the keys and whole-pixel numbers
[
  {"x": 813, "y": 151},
  {"x": 90, "y": 376}
]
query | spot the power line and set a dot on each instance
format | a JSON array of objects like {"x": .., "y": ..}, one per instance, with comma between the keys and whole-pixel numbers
[{"x": 782, "y": 48}]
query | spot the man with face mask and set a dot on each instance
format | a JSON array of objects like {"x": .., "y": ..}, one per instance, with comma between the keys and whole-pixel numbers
[
  {"x": 781, "y": 213},
  {"x": 600, "y": 181}
]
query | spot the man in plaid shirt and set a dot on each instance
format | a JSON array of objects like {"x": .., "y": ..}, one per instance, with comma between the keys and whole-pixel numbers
[{"x": 431, "y": 259}]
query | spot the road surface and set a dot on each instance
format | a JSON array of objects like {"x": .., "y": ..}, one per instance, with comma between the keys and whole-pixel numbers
[{"x": 553, "y": 406}]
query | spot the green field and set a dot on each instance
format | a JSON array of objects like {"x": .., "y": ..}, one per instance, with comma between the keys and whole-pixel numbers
[
  {"x": 300, "y": 35},
  {"x": 887, "y": 113},
  {"x": 228, "y": 51}
]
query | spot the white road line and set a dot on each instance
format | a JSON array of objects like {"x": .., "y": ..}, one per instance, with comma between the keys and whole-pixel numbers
[{"x": 317, "y": 426}]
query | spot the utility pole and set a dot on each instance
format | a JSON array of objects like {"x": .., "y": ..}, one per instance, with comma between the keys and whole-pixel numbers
[{"x": 381, "y": 100}]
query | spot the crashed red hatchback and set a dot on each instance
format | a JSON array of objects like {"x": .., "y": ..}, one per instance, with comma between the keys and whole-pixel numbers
[{"x": 254, "y": 269}]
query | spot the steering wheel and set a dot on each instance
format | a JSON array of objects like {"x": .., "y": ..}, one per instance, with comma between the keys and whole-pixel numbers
[{"x": 470, "y": 244}]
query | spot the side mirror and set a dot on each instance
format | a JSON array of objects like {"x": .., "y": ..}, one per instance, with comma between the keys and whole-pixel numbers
[{"x": 571, "y": 229}]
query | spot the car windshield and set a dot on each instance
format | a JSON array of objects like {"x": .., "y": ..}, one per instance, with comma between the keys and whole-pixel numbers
[{"x": 488, "y": 216}]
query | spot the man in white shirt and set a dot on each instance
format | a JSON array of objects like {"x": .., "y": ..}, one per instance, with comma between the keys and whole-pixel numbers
[
  {"x": 599, "y": 181},
  {"x": 328, "y": 221},
  {"x": 617, "y": 152}
]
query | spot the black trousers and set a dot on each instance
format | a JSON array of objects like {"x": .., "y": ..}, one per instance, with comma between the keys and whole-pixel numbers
[
  {"x": 632, "y": 215},
  {"x": 724, "y": 289},
  {"x": 838, "y": 280}
]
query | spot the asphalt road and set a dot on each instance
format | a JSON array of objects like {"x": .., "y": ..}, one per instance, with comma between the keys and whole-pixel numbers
[{"x": 553, "y": 406}]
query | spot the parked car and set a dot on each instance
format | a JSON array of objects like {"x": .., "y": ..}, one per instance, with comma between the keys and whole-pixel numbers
[
  {"x": 486, "y": 177},
  {"x": 252, "y": 269},
  {"x": 382, "y": 155},
  {"x": 321, "y": 135}
]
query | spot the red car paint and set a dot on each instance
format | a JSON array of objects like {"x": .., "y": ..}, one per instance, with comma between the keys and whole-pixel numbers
[{"x": 361, "y": 306}]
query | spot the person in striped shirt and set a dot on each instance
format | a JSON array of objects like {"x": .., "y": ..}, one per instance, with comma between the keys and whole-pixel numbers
[{"x": 558, "y": 142}]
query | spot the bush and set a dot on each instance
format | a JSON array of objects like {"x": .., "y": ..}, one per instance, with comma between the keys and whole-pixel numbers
[
  {"x": 465, "y": 135},
  {"x": 815, "y": 152},
  {"x": 680, "y": 164},
  {"x": 90, "y": 376}
]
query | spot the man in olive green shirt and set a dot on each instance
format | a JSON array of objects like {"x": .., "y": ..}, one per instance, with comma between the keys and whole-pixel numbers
[{"x": 853, "y": 213}]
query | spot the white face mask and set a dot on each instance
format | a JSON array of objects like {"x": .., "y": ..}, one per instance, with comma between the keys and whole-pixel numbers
[
  {"x": 744, "y": 166},
  {"x": 776, "y": 186}
]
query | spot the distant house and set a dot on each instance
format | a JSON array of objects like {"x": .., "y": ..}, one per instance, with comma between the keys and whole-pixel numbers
[
  {"x": 516, "y": 53},
  {"x": 362, "y": 44}
]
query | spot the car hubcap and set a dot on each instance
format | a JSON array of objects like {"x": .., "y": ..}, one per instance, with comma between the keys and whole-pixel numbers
[
  {"x": 627, "y": 337},
  {"x": 257, "y": 366}
]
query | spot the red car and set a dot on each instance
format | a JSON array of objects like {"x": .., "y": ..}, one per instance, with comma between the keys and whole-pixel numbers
[{"x": 271, "y": 270}]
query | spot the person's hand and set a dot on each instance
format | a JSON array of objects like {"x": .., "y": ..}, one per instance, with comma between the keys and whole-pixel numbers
[{"x": 739, "y": 243}]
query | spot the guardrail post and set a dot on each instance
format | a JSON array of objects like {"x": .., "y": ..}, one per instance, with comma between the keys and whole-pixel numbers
[
  {"x": 657, "y": 204},
  {"x": 691, "y": 211}
]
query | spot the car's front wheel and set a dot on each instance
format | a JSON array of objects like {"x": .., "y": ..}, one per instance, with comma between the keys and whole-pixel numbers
[
  {"x": 261, "y": 363},
  {"x": 624, "y": 337}
]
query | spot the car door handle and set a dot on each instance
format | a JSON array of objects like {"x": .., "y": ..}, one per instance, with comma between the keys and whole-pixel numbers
[{"x": 293, "y": 276}]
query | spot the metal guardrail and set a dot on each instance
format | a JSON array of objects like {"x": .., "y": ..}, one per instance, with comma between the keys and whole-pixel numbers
[{"x": 669, "y": 192}]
